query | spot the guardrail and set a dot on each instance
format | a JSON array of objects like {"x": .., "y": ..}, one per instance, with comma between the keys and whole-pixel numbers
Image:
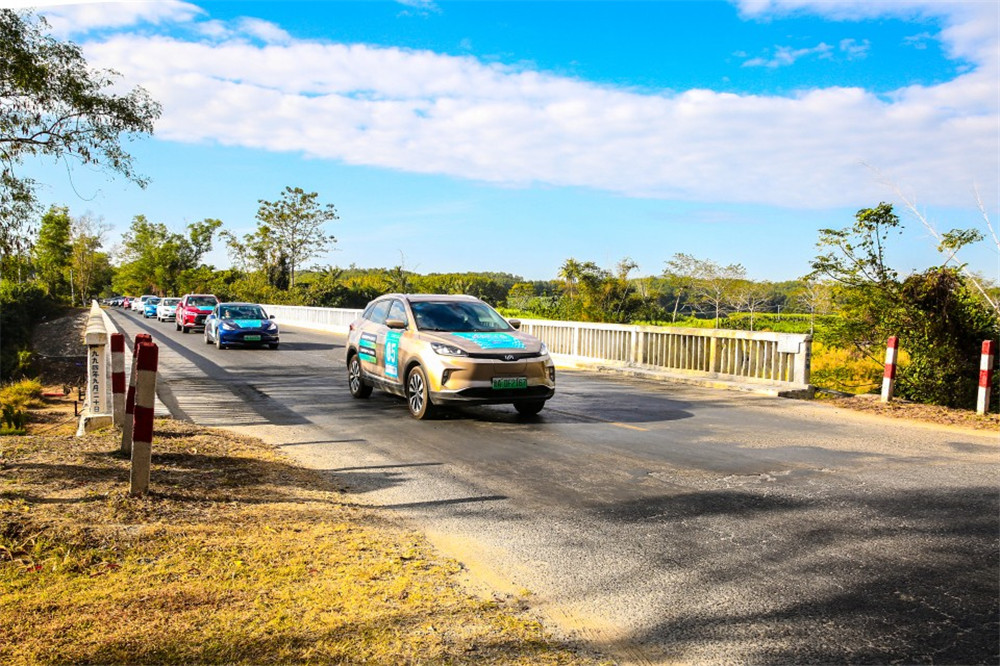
[
  {"x": 746, "y": 356},
  {"x": 781, "y": 358}
]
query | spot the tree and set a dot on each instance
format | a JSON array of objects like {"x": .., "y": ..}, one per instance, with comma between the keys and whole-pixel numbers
[
  {"x": 52, "y": 252},
  {"x": 681, "y": 273},
  {"x": 813, "y": 297},
  {"x": 714, "y": 285},
  {"x": 54, "y": 105},
  {"x": 155, "y": 259},
  {"x": 865, "y": 287},
  {"x": 90, "y": 268},
  {"x": 295, "y": 225},
  {"x": 937, "y": 318},
  {"x": 751, "y": 297}
]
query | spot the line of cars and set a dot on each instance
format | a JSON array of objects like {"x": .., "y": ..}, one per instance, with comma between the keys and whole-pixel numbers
[{"x": 224, "y": 324}]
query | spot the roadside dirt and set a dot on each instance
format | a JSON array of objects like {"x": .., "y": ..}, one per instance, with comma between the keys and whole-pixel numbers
[
  {"x": 911, "y": 411},
  {"x": 59, "y": 356}
]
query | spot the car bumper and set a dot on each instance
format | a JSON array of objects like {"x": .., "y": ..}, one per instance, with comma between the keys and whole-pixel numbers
[
  {"x": 256, "y": 338},
  {"x": 456, "y": 381}
]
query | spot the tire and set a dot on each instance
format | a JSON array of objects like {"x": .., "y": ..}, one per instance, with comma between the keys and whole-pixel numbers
[
  {"x": 418, "y": 398},
  {"x": 218, "y": 343},
  {"x": 208, "y": 340},
  {"x": 184, "y": 329},
  {"x": 177, "y": 325},
  {"x": 529, "y": 407},
  {"x": 273, "y": 345},
  {"x": 355, "y": 379}
]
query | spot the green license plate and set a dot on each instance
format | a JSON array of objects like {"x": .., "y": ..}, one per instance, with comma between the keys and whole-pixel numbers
[
  {"x": 252, "y": 338},
  {"x": 510, "y": 382}
]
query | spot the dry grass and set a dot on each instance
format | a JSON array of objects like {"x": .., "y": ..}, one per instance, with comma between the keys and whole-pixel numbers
[{"x": 236, "y": 557}]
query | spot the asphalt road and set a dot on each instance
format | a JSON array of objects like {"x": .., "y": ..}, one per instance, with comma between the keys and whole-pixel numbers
[{"x": 659, "y": 523}]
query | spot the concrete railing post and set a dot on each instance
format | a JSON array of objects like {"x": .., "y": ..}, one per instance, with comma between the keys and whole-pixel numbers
[
  {"x": 118, "y": 377},
  {"x": 986, "y": 363},
  {"x": 97, "y": 408},
  {"x": 147, "y": 354},
  {"x": 130, "y": 397},
  {"x": 889, "y": 376}
]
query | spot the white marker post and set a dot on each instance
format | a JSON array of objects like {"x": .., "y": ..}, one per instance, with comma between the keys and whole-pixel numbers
[
  {"x": 118, "y": 377},
  {"x": 986, "y": 375},
  {"x": 142, "y": 430},
  {"x": 889, "y": 376}
]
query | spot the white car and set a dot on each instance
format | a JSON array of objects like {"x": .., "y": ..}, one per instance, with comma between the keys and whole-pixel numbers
[
  {"x": 167, "y": 309},
  {"x": 139, "y": 304}
]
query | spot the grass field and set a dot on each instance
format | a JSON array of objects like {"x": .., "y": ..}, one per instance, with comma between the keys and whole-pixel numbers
[{"x": 235, "y": 557}]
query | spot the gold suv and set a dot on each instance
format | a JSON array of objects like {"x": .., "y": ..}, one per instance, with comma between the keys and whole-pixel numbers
[{"x": 444, "y": 349}]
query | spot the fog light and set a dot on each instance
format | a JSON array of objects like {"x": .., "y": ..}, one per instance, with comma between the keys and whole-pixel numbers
[
  {"x": 446, "y": 375},
  {"x": 552, "y": 374}
]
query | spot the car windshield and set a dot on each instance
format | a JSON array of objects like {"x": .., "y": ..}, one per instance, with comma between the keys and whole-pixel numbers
[
  {"x": 242, "y": 312},
  {"x": 152, "y": 301},
  {"x": 170, "y": 301},
  {"x": 458, "y": 317},
  {"x": 202, "y": 301}
]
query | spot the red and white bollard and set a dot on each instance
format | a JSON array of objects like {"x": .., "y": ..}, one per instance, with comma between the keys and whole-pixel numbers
[
  {"x": 118, "y": 378},
  {"x": 130, "y": 398},
  {"x": 889, "y": 376},
  {"x": 986, "y": 364},
  {"x": 145, "y": 398}
]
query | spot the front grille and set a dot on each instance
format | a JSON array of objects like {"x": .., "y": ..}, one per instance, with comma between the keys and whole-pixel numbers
[
  {"x": 523, "y": 356},
  {"x": 200, "y": 319}
]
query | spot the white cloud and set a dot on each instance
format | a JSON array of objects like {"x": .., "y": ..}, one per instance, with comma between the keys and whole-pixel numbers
[
  {"x": 70, "y": 17},
  {"x": 423, "y": 112},
  {"x": 785, "y": 56}
]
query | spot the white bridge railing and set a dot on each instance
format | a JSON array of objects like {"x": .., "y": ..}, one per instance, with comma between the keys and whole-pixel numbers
[{"x": 772, "y": 358}]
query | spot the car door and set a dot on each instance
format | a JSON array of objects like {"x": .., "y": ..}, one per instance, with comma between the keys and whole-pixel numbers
[
  {"x": 372, "y": 338},
  {"x": 390, "y": 343}
]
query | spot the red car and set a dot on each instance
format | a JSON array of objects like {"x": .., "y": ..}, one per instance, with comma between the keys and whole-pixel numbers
[{"x": 193, "y": 309}]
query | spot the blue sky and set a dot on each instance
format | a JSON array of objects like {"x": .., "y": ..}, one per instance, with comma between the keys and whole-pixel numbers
[{"x": 510, "y": 136}]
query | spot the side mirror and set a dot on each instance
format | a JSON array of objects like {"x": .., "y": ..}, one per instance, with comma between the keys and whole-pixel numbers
[
  {"x": 271, "y": 317},
  {"x": 396, "y": 324},
  {"x": 515, "y": 323}
]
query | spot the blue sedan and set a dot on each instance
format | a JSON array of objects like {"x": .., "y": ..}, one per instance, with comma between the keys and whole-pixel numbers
[
  {"x": 149, "y": 307},
  {"x": 243, "y": 324}
]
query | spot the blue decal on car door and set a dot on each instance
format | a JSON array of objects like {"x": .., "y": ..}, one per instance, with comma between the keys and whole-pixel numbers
[{"x": 392, "y": 354}]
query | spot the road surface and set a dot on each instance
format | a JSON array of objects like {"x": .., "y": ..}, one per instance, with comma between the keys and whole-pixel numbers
[{"x": 659, "y": 523}]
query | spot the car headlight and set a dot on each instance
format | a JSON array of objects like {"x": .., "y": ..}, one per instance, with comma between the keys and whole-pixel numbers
[
  {"x": 228, "y": 325},
  {"x": 270, "y": 326},
  {"x": 447, "y": 350},
  {"x": 543, "y": 350}
]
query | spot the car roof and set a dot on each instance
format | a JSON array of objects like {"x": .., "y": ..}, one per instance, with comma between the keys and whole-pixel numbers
[{"x": 416, "y": 298}]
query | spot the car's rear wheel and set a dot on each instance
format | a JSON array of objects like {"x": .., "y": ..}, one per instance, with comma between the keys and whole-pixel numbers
[
  {"x": 529, "y": 407},
  {"x": 208, "y": 340},
  {"x": 355, "y": 380},
  {"x": 418, "y": 398}
]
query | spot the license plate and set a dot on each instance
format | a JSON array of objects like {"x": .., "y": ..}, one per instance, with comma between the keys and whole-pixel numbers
[
  {"x": 252, "y": 338},
  {"x": 510, "y": 382}
]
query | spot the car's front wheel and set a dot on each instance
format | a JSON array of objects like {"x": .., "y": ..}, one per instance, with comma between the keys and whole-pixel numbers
[
  {"x": 418, "y": 397},
  {"x": 529, "y": 407},
  {"x": 218, "y": 342},
  {"x": 355, "y": 380}
]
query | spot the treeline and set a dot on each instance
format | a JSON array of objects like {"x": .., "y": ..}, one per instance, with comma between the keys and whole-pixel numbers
[{"x": 851, "y": 301}]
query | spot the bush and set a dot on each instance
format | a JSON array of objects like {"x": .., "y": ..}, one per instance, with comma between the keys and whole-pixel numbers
[{"x": 22, "y": 305}]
